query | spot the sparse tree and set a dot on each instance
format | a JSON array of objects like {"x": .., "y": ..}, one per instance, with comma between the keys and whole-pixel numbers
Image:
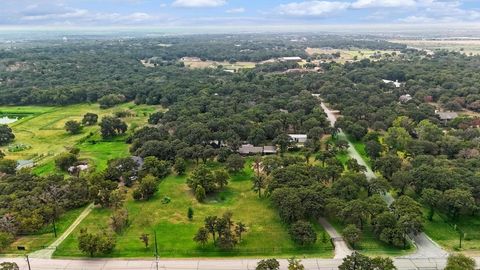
[
  {"x": 145, "y": 238},
  {"x": 201, "y": 236},
  {"x": 73, "y": 127},
  {"x": 190, "y": 213}
]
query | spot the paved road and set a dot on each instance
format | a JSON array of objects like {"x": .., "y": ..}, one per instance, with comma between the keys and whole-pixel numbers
[
  {"x": 341, "y": 248},
  {"x": 47, "y": 252},
  {"x": 207, "y": 264},
  {"x": 426, "y": 247}
]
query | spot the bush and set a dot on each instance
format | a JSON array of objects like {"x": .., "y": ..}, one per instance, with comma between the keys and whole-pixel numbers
[
  {"x": 269, "y": 264},
  {"x": 5, "y": 240},
  {"x": 99, "y": 243},
  {"x": 65, "y": 161}
]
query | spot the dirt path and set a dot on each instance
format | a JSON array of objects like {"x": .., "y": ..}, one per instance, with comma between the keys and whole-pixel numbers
[
  {"x": 426, "y": 247},
  {"x": 47, "y": 252}
]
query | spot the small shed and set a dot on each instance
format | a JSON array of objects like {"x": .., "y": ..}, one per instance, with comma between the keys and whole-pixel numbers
[
  {"x": 22, "y": 164},
  {"x": 269, "y": 149},
  {"x": 248, "y": 149},
  {"x": 298, "y": 138}
]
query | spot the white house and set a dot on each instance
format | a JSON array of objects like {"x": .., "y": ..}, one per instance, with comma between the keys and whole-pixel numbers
[
  {"x": 291, "y": 59},
  {"x": 298, "y": 138},
  {"x": 396, "y": 83}
]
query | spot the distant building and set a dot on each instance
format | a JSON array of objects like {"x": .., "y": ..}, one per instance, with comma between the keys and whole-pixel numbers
[
  {"x": 269, "y": 149},
  {"x": 299, "y": 139},
  {"x": 396, "y": 83},
  {"x": 22, "y": 164},
  {"x": 291, "y": 59},
  {"x": 428, "y": 99},
  {"x": 446, "y": 116},
  {"x": 405, "y": 98},
  {"x": 248, "y": 149}
]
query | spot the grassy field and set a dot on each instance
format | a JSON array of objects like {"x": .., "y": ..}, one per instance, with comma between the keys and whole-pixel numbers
[
  {"x": 43, "y": 237},
  {"x": 266, "y": 234},
  {"x": 42, "y": 128},
  {"x": 466, "y": 46},
  {"x": 443, "y": 232},
  {"x": 347, "y": 55},
  {"x": 215, "y": 64}
]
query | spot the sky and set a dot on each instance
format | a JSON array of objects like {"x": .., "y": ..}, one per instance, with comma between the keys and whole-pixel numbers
[{"x": 235, "y": 13}]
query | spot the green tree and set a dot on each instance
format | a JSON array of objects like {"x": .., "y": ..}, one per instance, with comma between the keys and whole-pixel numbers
[
  {"x": 145, "y": 238},
  {"x": 200, "y": 194},
  {"x": 6, "y": 135},
  {"x": 283, "y": 141},
  {"x": 147, "y": 187},
  {"x": 73, "y": 127},
  {"x": 201, "y": 236},
  {"x": 90, "y": 119},
  {"x": 190, "y": 213},
  {"x": 240, "y": 228},
  {"x": 397, "y": 138},
  {"x": 65, "y": 161},
  {"x": 180, "y": 166},
  {"x": 260, "y": 182},
  {"x": 431, "y": 198},
  {"x": 460, "y": 262},
  {"x": 388, "y": 165},
  {"x": 457, "y": 201},
  {"x": 155, "y": 167},
  {"x": 428, "y": 131},
  {"x": 357, "y": 261},
  {"x": 352, "y": 234},
  {"x": 221, "y": 178},
  {"x": 210, "y": 225},
  {"x": 235, "y": 163},
  {"x": 112, "y": 126},
  {"x": 302, "y": 233},
  {"x": 8, "y": 166},
  {"x": 119, "y": 220}
]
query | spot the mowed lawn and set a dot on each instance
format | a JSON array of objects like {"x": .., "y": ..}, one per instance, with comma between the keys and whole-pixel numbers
[
  {"x": 42, "y": 128},
  {"x": 266, "y": 236},
  {"x": 444, "y": 233}
]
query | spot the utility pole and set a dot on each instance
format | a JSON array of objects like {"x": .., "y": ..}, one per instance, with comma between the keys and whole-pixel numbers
[
  {"x": 156, "y": 249},
  {"x": 28, "y": 262}
]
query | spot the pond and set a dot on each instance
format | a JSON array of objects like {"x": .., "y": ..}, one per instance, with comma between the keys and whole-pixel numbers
[{"x": 5, "y": 120}]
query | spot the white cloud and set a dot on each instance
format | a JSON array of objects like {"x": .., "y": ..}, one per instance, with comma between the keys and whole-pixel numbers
[
  {"x": 236, "y": 10},
  {"x": 383, "y": 3},
  {"x": 312, "y": 8},
  {"x": 198, "y": 3},
  {"x": 416, "y": 19}
]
